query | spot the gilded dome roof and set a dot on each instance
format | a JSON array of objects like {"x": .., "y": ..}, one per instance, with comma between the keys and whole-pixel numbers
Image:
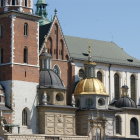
[{"x": 90, "y": 86}]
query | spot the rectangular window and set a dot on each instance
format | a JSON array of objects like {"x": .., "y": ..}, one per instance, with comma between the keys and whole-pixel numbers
[
  {"x": 1, "y": 55},
  {"x": 1, "y": 3},
  {"x": 1, "y": 31}
]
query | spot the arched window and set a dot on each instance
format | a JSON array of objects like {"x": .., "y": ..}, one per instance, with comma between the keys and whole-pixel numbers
[
  {"x": 56, "y": 70},
  {"x": 25, "y": 3},
  {"x": 116, "y": 86},
  {"x": 1, "y": 3},
  {"x": 50, "y": 45},
  {"x": 61, "y": 51},
  {"x": 47, "y": 63},
  {"x": 13, "y": 2},
  {"x": 1, "y": 31},
  {"x": 99, "y": 76},
  {"x": 25, "y": 55},
  {"x": 98, "y": 134},
  {"x": 56, "y": 38},
  {"x": 134, "y": 126},
  {"x": 25, "y": 29},
  {"x": 133, "y": 87},
  {"x": 1, "y": 55},
  {"x": 24, "y": 117},
  {"x": 81, "y": 73},
  {"x": 118, "y": 125}
]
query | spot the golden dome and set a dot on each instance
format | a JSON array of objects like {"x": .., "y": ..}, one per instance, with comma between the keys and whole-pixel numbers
[{"x": 90, "y": 86}]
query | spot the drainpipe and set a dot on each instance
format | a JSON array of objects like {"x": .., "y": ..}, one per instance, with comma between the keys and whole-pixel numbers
[{"x": 109, "y": 83}]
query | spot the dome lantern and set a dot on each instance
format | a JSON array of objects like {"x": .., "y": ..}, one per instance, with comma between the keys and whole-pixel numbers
[
  {"x": 124, "y": 89},
  {"x": 89, "y": 65}
]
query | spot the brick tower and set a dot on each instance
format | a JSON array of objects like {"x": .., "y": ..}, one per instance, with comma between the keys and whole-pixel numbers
[{"x": 19, "y": 61}]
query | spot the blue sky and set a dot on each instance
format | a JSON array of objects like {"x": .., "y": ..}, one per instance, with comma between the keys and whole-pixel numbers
[{"x": 109, "y": 20}]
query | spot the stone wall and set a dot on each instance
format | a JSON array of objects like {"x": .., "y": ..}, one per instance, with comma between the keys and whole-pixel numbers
[
  {"x": 43, "y": 137},
  {"x": 54, "y": 120}
]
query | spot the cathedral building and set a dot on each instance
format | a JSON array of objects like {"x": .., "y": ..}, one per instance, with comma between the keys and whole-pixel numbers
[{"x": 56, "y": 87}]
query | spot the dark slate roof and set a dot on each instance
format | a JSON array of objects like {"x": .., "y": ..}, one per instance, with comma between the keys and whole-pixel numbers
[
  {"x": 43, "y": 30},
  {"x": 4, "y": 108},
  {"x": 49, "y": 79},
  {"x": 1, "y": 87},
  {"x": 105, "y": 52},
  {"x": 125, "y": 102}
]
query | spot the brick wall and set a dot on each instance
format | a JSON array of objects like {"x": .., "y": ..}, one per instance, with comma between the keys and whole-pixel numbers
[
  {"x": 5, "y": 40},
  {"x": 57, "y": 48},
  {"x": 24, "y": 72}
]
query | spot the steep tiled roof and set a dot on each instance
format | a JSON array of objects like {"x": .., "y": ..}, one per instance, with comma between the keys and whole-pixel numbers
[
  {"x": 106, "y": 52},
  {"x": 43, "y": 30}
]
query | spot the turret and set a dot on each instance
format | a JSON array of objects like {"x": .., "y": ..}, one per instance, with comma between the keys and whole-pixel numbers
[{"x": 41, "y": 11}]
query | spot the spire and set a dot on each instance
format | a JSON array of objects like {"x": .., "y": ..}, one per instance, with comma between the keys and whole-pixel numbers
[
  {"x": 55, "y": 12},
  {"x": 90, "y": 65},
  {"x": 41, "y": 11}
]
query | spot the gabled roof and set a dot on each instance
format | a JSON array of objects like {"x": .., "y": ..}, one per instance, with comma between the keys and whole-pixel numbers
[
  {"x": 105, "y": 52},
  {"x": 43, "y": 31}
]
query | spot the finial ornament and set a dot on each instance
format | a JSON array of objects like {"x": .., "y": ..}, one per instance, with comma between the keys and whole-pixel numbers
[
  {"x": 44, "y": 98},
  {"x": 73, "y": 101},
  {"x": 89, "y": 54},
  {"x": 55, "y": 11}
]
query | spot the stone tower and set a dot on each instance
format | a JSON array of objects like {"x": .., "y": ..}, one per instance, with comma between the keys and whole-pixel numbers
[{"x": 19, "y": 61}]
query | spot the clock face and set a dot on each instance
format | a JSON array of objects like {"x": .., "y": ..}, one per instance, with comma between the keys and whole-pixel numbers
[{"x": 101, "y": 101}]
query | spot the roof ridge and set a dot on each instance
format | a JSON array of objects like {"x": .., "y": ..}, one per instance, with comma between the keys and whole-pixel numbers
[{"x": 90, "y": 39}]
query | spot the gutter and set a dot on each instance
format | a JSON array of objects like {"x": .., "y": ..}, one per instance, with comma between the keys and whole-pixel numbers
[{"x": 109, "y": 83}]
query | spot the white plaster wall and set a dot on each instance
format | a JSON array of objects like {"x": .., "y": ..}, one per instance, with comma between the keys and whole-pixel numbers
[
  {"x": 24, "y": 96},
  {"x": 126, "y": 117},
  {"x": 124, "y": 72},
  {"x": 20, "y": 95}
]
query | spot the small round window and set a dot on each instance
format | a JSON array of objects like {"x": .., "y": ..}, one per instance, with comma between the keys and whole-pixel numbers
[
  {"x": 101, "y": 102},
  {"x": 59, "y": 97}
]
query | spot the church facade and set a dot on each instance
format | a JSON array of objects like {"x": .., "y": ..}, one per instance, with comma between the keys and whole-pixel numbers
[{"x": 54, "y": 86}]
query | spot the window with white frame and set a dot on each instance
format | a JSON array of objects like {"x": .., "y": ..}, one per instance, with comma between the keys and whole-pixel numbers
[
  {"x": 25, "y": 29},
  {"x": 118, "y": 125},
  {"x": 133, "y": 87},
  {"x": 25, "y": 55},
  {"x": 24, "y": 117},
  {"x": 134, "y": 130},
  {"x": 100, "y": 76},
  {"x": 117, "y": 86}
]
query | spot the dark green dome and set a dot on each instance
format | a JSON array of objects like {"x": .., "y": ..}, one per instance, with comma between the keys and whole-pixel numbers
[
  {"x": 125, "y": 102},
  {"x": 49, "y": 79}
]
